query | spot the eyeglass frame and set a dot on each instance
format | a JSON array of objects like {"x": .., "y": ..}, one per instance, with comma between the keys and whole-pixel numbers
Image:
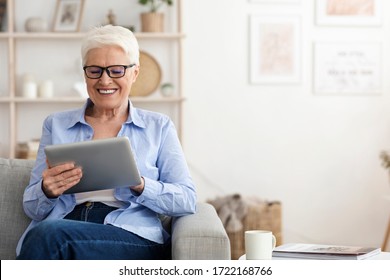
[{"x": 106, "y": 69}]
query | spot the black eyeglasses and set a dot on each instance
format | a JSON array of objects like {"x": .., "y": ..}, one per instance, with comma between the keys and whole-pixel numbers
[{"x": 113, "y": 71}]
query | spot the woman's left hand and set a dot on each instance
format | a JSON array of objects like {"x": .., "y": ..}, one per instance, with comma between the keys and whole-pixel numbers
[{"x": 140, "y": 188}]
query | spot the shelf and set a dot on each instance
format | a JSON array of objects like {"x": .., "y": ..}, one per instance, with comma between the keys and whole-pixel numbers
[
  {"x": 166, "y": 46},
  {"x": 81, "y": 100},
  {"x": 79, "y": 35}
]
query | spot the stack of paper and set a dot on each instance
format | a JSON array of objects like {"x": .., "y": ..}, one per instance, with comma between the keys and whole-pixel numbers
[{"x": 324, "y": 252}]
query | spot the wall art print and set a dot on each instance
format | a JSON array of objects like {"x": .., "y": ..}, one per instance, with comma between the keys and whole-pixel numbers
[{"x": 274, "y": 49}]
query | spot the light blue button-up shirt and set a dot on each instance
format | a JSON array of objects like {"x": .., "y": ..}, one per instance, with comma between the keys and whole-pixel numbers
[{"x": 169, "y": 189}]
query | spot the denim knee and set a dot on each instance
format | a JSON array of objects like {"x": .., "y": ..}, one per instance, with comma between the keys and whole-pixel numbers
[{"x": 42, "y": 241}]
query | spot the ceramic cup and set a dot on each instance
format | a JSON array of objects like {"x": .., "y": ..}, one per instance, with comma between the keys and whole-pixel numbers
[{"x": 259, "y": 244}]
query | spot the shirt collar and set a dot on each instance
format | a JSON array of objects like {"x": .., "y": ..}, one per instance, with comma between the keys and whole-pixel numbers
[
  {"x": 134, "y": 116},
  {"x": 79, "y": 115}
]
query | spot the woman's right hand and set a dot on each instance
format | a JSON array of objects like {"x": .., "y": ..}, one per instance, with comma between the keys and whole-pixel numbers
[{"x": 58, "y": 179}]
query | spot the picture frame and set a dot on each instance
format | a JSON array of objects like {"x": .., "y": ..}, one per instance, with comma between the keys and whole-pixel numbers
[
  {"x": 348, "y": 68},
  {"x": 3, "y": 15},
  {"x": 275, "y": 49},
  {"x": 276, "y": 1},
  {"x": 68, "y": 15},
  {"x": 349, "y": 12}
]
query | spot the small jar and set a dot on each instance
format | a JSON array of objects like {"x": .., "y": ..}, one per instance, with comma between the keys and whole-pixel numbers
[
  {"x": 30, "y": 90},
  {"x": 46, "y": 89}
]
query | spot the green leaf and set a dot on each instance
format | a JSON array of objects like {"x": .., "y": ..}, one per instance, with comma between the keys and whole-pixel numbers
[{"x": 154, "y": 5}]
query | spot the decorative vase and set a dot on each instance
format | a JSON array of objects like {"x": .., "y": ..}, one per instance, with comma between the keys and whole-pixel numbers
[
  {"x": 35, "y": 24},
  {"x": 152, "y": 22},
  {"x": 167, "y": 89}
]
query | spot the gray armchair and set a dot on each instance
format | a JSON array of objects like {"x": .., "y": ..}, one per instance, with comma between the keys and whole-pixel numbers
[{"x": 199, "y": 236}]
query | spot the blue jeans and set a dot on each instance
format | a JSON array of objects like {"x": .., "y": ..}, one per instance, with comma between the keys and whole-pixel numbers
[{"x": 82, "y": 236}]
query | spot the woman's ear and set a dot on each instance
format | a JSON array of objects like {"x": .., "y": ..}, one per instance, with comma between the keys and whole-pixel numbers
[{"x": 136, "y": 72}]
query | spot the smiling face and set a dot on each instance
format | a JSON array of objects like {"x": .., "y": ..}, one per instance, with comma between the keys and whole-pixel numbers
[{"x": 108, "y": 93}]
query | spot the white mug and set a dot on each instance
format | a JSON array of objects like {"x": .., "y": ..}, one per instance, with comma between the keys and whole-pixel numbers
[{"x": 259, "y": 244}]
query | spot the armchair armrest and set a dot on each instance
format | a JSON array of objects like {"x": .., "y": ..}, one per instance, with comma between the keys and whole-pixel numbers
[{"x": 200, "y": 236}]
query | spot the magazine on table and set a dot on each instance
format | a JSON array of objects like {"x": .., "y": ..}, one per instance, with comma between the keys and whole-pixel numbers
[{"x": 324, "y": 252}]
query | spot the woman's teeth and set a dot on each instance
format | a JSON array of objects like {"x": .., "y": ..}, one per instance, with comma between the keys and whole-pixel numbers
[{"x": 106, "y": 91}]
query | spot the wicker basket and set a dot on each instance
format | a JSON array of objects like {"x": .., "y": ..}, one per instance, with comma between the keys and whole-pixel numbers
[{"x": 261, "y": 216}]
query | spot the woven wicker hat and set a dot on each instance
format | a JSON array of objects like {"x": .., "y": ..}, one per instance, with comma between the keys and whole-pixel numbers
[{"x": 149, "y": 77}]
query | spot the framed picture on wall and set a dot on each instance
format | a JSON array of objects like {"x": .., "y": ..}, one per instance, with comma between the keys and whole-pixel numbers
[
  {"x": 349, "y": 12},
  {"x": 3, "y": 10},
  {"x": 68, "y": 15},
  {"x": 275, "y": 1},
  {"x": 351, "y": 68},
  {"x": 274, "y": 49}
]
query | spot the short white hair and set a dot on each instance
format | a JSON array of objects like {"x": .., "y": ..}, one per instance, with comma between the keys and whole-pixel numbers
[{"x": 110, "y": 35}]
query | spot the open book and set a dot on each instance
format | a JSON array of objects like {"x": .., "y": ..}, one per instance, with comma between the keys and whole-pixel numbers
[{"x": 324, "y": 252}]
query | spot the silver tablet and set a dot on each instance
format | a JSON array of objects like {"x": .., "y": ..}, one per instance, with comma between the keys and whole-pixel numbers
[{"x": 106, "y": 163}]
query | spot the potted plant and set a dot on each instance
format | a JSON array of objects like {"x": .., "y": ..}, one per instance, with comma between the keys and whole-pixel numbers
[
  {"x": 153, "y": 21},
  {"x": 385, "y": 160}
]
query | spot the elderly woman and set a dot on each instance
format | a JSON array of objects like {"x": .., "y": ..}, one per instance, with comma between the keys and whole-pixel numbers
[{"x": 121, "y": 223}]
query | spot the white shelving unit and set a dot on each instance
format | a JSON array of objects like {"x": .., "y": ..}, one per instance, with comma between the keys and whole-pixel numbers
[{"x": 13, "y": 105}]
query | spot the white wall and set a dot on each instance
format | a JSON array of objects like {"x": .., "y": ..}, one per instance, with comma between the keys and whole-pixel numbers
[{"x": 318, "y": 155}]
